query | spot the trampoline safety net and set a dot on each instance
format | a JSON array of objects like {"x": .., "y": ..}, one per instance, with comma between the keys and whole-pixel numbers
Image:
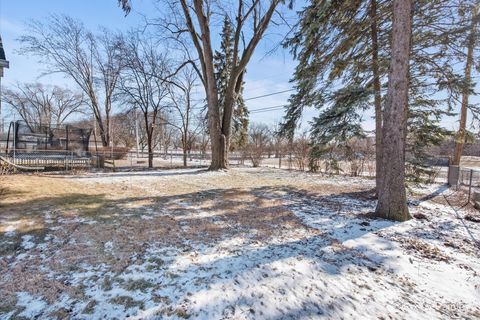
[{"x": 28, "y": 136}]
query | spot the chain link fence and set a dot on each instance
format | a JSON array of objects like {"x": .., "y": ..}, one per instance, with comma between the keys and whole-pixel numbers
[
  {"x": 469, "y": 179},
  {"x": 62, "y": 160}
]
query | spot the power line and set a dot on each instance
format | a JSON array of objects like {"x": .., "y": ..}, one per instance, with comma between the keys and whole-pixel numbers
[
  {"x": 265, "y": 109},
  {"x": 269, "y": 94}
]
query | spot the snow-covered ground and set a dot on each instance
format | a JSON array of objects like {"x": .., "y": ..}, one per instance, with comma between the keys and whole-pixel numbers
[{"x": 244, "y": 244}]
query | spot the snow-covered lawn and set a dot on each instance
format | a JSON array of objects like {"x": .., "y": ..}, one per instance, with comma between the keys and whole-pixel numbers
[{"x": 243, "y": 244}]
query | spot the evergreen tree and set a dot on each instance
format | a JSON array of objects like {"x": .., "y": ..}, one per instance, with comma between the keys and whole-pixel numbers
[
  {"x": 469, "y": 12},
  {"x": 434, "y": 83},
  {"x": 342, "y": 48},
  {"x": 223, "y": 62},
  {"x": 240, "y": 124},
  {"x": 340, "y": 68}
]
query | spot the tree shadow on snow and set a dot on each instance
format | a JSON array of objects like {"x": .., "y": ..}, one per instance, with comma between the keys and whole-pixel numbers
[{"x": 259, "y": 230}]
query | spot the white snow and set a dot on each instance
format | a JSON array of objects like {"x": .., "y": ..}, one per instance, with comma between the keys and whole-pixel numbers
[
  {"x": 27, "y": 242},
  {"x": 340, "y": 265},
  {"x": 108, "y": 246},
  {"x": 33, "y": 306}
]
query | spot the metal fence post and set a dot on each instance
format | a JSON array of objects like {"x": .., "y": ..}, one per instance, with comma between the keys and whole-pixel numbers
[
  {"x": 470, "y": 184},
  {"x": 14, "y": 139}
]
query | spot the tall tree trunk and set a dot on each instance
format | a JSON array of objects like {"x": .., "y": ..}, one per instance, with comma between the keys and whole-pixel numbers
[
  {"x": 103, "y": 134},
  {"x": 392, "y": 199},
  {"x": 211, "y": 91},
  {"x": 217, "y": 137},
  {"x": 377, "y": 95},
  {"x": 149, "y": 143},
  {"x": 184, "y": 147},
  {"x": 461, "y": 134},
  {"x": 101, "y": 128},
  {"x": 107, "y": 129},
  {"x": 150, "y": 152}
]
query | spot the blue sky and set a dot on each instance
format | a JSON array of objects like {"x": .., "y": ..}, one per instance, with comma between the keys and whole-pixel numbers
[{"x": 266, "y": 73}]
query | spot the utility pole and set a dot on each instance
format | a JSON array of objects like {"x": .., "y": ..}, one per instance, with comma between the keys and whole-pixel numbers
[{"x": 136, "y": 129}]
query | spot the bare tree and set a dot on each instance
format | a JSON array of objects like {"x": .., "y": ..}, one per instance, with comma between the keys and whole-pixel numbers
[
  {"x": 40, "y": 105},
  {"x": 141, "y": 83},
  {"x": 167, "y": 132},
  {"x": 203, "y": 136},
  {"x": 392, "y": 199},
  {"x": 258, "y": 141},
  {"x": 300, "y": 150},
  {"x": 356, "y": 155},
  {"x": 92, "y": 62},
  {"x": 181, "y": 95},
  {"x": 123, "y": 129},
  {"x": 194, "y": 18},
  {"x": 279, "y": 143}
]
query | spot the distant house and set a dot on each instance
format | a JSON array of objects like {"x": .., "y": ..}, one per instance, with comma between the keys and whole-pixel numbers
[
  {"x": 3, "y": 64},
  {"x": 3, "y": 59}
]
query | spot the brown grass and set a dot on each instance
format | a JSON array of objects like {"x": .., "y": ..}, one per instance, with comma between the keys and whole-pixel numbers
[{"x": 82, "y": 215}]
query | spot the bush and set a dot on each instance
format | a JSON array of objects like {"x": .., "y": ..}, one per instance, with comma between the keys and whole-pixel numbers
[{"x": 115, "y": 153}]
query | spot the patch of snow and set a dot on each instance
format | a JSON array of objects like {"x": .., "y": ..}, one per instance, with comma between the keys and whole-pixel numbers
[
  {"x": 27, "y": 242},
  {"x": 338, "y": 264},
  {"x": 10, "y": 231},
  {"x": 108, "y": 246},
  {"x": 33, "y": 306}
]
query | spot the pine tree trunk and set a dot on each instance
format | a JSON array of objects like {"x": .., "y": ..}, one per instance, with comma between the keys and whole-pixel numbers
[
  {"x": 392, "y": 199},
  {"x": 461, "y": 134},
  {"x": 377, "y": 95}
]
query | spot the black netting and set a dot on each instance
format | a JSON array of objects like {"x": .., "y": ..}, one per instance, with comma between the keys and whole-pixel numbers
[{"x": 27, "y": 136}]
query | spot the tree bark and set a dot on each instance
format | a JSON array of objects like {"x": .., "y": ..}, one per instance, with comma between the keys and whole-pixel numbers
[
  {"x": 149, "y": 131},
  {"x": 206, "y": 57},
  {"x": 99, "y": 120},
  {"x": 103, "y": 135},
  {"x": 150, "y": 150},
  {"x": 377, "y": 96},
  {"x": 219, "y": 128},
  {"x": 184, "y": 147},
  {"x": 461, "y": 134},
  {"x": 392, "y": 199}
]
